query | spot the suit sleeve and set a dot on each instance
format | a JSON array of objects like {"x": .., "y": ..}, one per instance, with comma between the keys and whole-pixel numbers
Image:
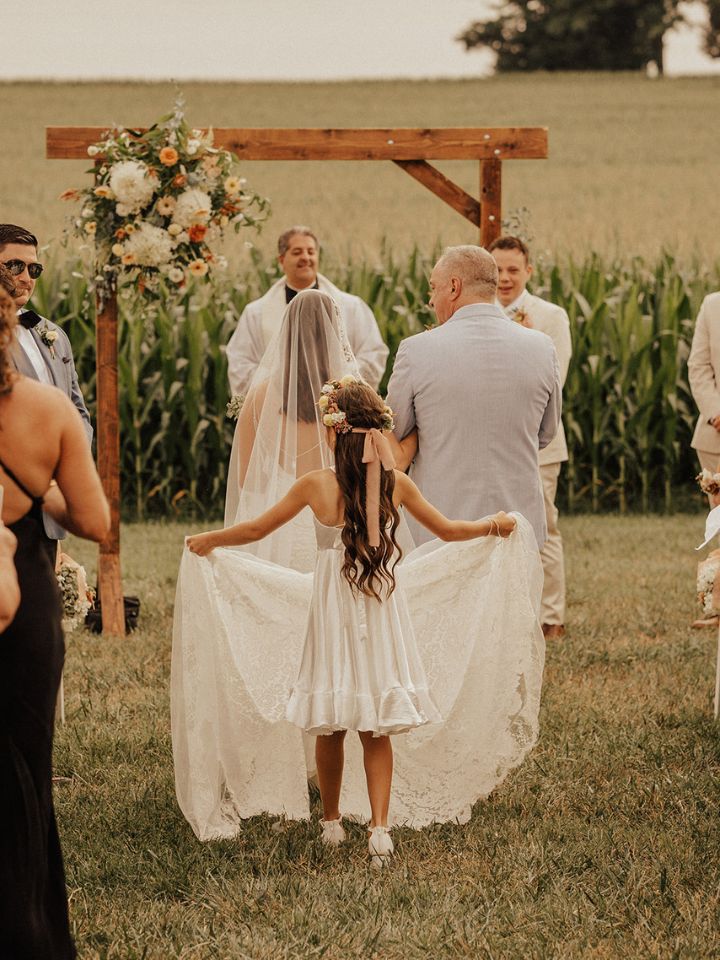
[
  {"x": 701, "y": 373},
  {"x": 551, "y": 417},
  {"x": 563, "y": 343},
  {"x": 75, "y": 391},
  {"x": 367, "y": 344},
  {"x": 242, "y": 351},
  {"x": 401, "y": 398}
]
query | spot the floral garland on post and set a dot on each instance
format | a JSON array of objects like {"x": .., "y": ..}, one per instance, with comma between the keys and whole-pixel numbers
[{"x": 159, "y": 198}]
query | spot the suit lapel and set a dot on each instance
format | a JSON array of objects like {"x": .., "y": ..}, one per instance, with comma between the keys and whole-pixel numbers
[
  {"x": 49, "y": 362},
  {"x": 21, "y": 360}
]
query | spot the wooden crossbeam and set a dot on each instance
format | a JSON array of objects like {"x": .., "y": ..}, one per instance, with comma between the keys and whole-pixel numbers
[
  {"x": 424, "y": 172},
  {"x": 409, "y": 148},
  {"x": 411, "y": 143}
]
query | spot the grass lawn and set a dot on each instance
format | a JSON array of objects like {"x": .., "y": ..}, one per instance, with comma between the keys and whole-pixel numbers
[
  {"x": 632, "y": 165},
  {"x": 604, "y": 844}
]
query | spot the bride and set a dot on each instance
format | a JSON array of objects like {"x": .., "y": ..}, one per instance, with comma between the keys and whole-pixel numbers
[{"x": 240, "y": 619}]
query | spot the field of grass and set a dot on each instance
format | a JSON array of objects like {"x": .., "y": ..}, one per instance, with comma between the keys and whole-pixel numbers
[
  {"x": 604, "y": 844},
  {"x": 631, "y": 169}
]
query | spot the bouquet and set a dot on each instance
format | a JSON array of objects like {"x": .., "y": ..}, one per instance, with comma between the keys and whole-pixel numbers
[
  {"x": 709, "y": 482},
  {"x": 159, "y": 198},
  {"x": 75, "y": 595},
  {"x": 708, "y": 583}
]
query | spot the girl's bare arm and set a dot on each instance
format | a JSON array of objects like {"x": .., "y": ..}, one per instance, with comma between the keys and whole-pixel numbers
[{"x": 501, "y": 524}]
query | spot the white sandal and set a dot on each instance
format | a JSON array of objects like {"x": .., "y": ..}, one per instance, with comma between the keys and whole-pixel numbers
[
  {"x": 380, "y": 846},
  {"x": 332, "y": 832}
]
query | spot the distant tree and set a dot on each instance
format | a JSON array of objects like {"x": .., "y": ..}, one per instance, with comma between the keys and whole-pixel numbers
[
  {"x": 579, "y": 34},
  {"x": 712, "y": 34}
]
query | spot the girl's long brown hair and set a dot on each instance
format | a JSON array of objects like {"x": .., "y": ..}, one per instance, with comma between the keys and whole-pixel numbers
[
  {"x": 367, "y": 569},
  {"x": 8, "y": 321}
]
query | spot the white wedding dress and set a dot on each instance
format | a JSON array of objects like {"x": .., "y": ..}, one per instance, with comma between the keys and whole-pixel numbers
[
  {"x": 240, "y": 624},
  {"x": 241, "y": 616}
]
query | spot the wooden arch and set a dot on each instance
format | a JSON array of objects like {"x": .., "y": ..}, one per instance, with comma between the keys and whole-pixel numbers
[{"x": 409, "y": 148}]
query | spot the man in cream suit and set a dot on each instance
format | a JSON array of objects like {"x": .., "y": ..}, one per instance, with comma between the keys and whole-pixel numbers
[
  {"x": 42, "y": 350},
  {"x": 514, "y": 270},
  {"x": 704, "y": 375},
  {"x": 298, "y": 252},
  {"x": 484, "y": 394}
]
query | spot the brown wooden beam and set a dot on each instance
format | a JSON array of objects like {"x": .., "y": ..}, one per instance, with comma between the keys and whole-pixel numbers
[
  {"x": 442, "y": 187},
  {"x": 490, "y": 201},
  {"x": 416, "y": 143},
  {"x": 108, "y": 447}
]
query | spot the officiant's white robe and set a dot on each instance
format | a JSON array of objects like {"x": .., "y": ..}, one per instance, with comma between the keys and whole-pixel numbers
[
  {"x": 261, "y": 319},
  {"x": 485, "y": 395}
]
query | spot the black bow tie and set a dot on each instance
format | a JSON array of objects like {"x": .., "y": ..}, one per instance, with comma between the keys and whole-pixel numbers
[
  {"x": 29, "y": 319},
  {"x": 290, "y": 294}
]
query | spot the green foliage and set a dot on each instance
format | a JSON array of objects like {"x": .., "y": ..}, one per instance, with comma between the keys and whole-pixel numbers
[
  {"x": 575, "y": 34},
  {"x": 628, "y": 411},
  {"x": 602, "y": 845}
]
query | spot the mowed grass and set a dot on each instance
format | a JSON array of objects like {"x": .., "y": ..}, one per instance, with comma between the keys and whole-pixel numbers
[
  {"x": 604, "y": 844},
  {"x": 632, "y": 161}
]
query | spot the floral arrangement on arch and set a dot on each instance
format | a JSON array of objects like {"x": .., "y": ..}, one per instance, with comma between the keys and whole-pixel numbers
[{"x": 160, "y": 197}]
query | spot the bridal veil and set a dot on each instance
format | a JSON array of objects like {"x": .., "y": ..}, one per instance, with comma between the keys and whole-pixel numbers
[{"x": 279, "y": 435}]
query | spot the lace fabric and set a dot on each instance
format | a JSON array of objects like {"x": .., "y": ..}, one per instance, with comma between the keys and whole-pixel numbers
[{"x": 237, "y": 653}]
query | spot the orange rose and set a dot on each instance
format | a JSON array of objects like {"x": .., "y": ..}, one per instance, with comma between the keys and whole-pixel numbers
[
  {"x": 69, "y": 195},
  {"x": 169, "y": 156},
  {"x": 197, "y": 232},
  {"x": 179, "y": 180},
  {"x": 120, "y": 233}
]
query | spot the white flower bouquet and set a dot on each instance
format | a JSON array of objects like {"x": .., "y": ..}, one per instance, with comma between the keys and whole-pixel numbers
[
  {"x": 75, "y": 595},
  {"x": 235, "y": 405},
  {"x": 708, "y": 583},
  {"x": 709, "y": 482},
  {"x": 160, "y": 197}
]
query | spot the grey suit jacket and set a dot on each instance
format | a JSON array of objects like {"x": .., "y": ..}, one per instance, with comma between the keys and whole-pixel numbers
[
  {"x": 485, "y": 395},
  {"x": 64, "y": 376}
]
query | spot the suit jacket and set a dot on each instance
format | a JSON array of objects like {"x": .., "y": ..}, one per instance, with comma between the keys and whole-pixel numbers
[
  {"x": 552, "y": 320},
  {"x": 64, "y": 376},
  {"x": 485, "y": 395},
  {"x": 704, "y": 373},
  {"x": 261, "y": 319}
]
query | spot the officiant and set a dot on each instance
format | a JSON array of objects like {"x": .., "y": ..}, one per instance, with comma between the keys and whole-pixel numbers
[{"x": 298, "y": 255}]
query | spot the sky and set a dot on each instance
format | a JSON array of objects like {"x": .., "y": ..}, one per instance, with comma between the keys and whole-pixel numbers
[{"x": 263, "y": 40}]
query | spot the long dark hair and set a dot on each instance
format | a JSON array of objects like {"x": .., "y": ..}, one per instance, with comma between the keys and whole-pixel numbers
[
  {"x": 8, "y": 320},
  {"x": 367, "y": 569},
  {"x": 307, "y": 333}
]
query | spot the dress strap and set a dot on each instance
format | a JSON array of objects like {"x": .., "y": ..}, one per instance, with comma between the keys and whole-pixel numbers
[{"x": 18, "y": 483}]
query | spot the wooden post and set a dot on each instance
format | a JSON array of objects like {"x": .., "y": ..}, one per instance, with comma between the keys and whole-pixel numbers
[
  {"x": 490, "y": 201},
  {"x": 108, "y": 447}
]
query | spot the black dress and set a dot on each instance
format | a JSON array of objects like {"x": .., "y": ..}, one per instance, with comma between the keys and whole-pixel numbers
[{"x": 33, "y": 902}]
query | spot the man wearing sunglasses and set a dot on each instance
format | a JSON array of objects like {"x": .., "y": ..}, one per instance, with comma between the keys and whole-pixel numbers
[{"x": 42, "y": 350}]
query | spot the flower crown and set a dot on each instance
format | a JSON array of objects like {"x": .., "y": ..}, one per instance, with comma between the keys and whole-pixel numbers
[{"x": 333, "y": 416}]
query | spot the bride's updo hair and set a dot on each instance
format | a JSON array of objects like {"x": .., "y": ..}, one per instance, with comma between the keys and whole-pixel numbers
[
  {"x": 8, "y": 320},
  {"x": 367, "y": 569},
  {"x": 311, "y": 315}
]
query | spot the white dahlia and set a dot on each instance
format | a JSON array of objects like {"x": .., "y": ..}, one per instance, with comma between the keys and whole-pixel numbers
[
  {"x": 149, "y": 246},
  {"x": 131, "y": 185},
  {"x": 193, "y": 206}
]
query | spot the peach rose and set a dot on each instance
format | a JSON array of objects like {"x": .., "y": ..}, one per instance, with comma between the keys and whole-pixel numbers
[
  {"x": 69, "y": 195},
  {"x": 168, "y": 156},
  {"x": 179, "y": 180}
]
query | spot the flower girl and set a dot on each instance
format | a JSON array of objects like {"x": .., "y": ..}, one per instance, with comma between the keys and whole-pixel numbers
[{"x": 360, "y": 667}]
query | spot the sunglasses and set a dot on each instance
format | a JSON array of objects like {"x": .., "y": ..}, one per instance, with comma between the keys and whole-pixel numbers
[{"x": 16, "y": 267}]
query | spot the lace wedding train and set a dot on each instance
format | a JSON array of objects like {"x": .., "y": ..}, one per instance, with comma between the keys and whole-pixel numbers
[{"x": 238, "y": 639}]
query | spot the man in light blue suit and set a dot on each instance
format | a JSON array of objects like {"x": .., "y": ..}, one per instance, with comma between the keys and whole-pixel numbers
[
  {"x": 484, "y": 394},
  {"x": 41, "y": 350}
]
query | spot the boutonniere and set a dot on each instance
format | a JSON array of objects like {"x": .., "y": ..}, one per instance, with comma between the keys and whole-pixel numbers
[
  {"x": 48, "y": 337},
  {"x": 522, "y": 317}
]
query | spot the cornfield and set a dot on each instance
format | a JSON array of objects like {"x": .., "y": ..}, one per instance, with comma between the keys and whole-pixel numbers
[{"x": 628, "y": 411}]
